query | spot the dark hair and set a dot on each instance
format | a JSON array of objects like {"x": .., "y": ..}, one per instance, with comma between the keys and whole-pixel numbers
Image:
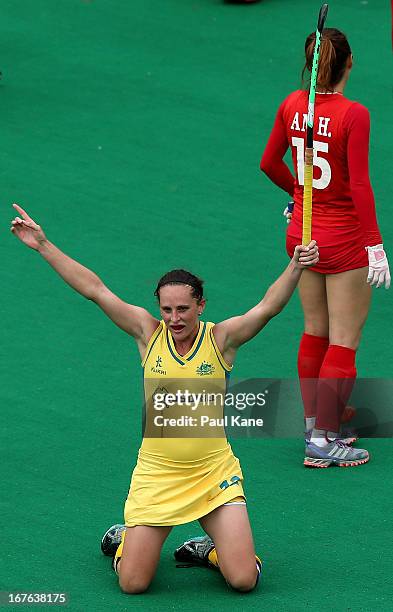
[
  {"x": 333, "y": 55},
  {"x": 181, "y": 277}
]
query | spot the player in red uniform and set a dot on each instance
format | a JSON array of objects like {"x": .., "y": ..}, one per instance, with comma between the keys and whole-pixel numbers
[{"x": 335, "y": 294}]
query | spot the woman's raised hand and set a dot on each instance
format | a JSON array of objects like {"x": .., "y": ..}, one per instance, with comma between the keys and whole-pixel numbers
[{"x": 27, "y": 230}]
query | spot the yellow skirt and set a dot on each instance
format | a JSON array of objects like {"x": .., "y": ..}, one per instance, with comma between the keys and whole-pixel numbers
[{"x": 165, "y": 492}]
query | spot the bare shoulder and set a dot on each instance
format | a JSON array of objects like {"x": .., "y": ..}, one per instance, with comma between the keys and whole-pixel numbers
[
  {"x": 219, "y": 331},
  {"x": 223, "y": 331},
  {"x": 221, "y": 334},
  {"x": 134, "y": 320},
  {"x": 151, "y": 324},
  {"x": 141, "y": 323}
]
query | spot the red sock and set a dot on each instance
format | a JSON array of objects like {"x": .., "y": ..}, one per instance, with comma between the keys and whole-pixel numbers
[
  {"x": 336, "y": 379},
  {"x": 311, "y": 354}
]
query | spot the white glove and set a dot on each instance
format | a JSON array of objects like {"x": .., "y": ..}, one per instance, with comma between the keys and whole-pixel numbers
[
  {"x": 288, "y": 211},
  {"x": 378, "y": 267}
]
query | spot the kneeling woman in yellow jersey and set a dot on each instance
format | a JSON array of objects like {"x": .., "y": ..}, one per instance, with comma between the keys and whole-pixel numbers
[{"x": 179, "y": 479}]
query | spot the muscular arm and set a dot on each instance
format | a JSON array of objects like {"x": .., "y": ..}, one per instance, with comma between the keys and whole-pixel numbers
[
  {"x": 134, "y": 320},
  {"x": 272, "y": 163},
  {"x": 234, "y": 332},
  {"x": 357, "y": 123}
]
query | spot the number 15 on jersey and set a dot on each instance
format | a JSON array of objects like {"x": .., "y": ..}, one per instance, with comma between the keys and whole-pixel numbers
[{"x": 318, "y": 161}]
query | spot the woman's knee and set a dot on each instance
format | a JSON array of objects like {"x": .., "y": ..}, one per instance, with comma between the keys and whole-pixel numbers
[
  {"x": 243, "y": 578},
  {"x": 345, "y": 337},
  {"x": 316, "y": 323},
  {"x": 133, "y": 585},
  {"x": 317, "y": 327},
  {"x": 243, "y": 581}
]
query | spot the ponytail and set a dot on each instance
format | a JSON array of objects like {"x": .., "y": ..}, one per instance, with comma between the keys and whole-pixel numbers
[{"x": 333, "y": 55}]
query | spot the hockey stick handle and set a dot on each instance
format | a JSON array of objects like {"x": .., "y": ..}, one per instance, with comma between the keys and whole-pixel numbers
[{"x": 307, "y": 196}]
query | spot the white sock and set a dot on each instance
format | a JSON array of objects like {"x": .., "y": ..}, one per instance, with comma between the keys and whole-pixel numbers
[
  {"x": 318, "y": 437},
  {"x": 332, "y": 435},
  {"x": 310, "y": 423}
]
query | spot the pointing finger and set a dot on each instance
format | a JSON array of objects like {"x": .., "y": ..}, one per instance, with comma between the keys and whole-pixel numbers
[{"x": 22, "y": 212}]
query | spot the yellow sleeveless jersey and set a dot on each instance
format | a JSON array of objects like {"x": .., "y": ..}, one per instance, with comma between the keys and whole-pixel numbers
[
  {"x": 202, "y": 373},
  {"x": 180, "y": 477}
]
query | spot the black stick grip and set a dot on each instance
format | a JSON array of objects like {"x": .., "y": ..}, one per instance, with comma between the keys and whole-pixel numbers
[
  {"x": 322, "y": 17},
  {"x": 309, "y": 138}
]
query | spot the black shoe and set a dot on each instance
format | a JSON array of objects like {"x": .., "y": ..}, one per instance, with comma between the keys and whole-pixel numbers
[
  {"x": 111, "y": 539},
  {"x": 195, "y": 551}
]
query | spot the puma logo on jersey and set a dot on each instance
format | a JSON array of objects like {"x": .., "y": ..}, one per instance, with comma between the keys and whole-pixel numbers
[{"x": 323, "y": 123}]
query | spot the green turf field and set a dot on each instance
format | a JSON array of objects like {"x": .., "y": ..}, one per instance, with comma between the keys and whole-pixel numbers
[{"x": 132, "y": 132}]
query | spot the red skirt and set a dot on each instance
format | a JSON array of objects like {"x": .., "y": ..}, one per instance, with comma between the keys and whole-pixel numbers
[{"x": 344, "y": 255}]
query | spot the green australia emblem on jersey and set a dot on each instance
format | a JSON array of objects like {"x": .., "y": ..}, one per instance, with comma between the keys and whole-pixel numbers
[{"x": 205, "y": 369}]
